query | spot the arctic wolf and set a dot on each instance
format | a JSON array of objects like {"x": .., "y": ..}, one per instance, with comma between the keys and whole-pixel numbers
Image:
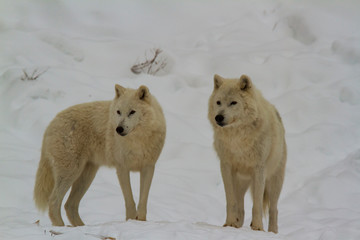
[
  {"x": 127, "y": 133},
  {"x": 249, "y": 140}
]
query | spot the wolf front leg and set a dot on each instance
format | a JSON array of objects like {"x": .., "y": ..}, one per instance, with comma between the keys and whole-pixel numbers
[
  {"x": 124, "y": 179},
  {"x": 146, "y": 176},
  {"x": 241, "y": 185},
  {"x": 228, "y": 176}
]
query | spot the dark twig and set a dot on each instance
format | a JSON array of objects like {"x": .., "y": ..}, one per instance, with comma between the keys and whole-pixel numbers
[
  {"x": 54, "y": 233},
  {"x": 100, "y": 236},
  {"x": 150, "y": 66},
  {"x": 35, "y": 74}
]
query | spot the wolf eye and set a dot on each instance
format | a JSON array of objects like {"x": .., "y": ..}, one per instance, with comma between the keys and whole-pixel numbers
[
  {"x": 132, "y": 112},
  {"x": 218, "y": 103},
  {"x": 233, "y": 103},
  {"x": 118, "y": 112}
]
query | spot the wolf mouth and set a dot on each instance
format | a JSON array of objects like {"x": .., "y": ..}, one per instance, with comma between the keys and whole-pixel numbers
[{"x": 221, "y": 124}]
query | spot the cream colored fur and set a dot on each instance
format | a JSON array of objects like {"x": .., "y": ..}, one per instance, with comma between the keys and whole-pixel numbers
[
  {"x": 127, "y": 133},
  {"x": 250, "y": 143}
]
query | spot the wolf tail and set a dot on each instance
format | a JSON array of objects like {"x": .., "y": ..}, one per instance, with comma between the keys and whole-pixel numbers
[{"x": 44, "y": 183}]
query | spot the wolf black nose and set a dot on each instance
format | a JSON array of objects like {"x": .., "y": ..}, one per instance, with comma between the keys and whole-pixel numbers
[
  {"x": 219, "y": 118},
  {"x": 120, "y": 130}
]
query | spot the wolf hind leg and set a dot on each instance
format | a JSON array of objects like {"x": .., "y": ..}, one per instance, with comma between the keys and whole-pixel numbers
[
  {"x": 78, "y": 190},
  {"x": 62, "y": 184},
  {"x": 271, "y": 197}
]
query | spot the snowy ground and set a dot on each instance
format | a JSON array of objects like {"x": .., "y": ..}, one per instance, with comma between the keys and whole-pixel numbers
[{"x": 304, "y": 57}]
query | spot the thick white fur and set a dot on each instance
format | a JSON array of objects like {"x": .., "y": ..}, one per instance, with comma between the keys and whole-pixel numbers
[
  {"x": 250, "y": 142},
  {"x": 84, "y": 137}
]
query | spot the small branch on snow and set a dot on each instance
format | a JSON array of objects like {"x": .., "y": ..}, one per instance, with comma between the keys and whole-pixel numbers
[
  {"x": 54, "y": 233},
  {"x": 35, "y": 75},
  {"x": 150, "y": 66},
  {"x": 100, "y": 236}
]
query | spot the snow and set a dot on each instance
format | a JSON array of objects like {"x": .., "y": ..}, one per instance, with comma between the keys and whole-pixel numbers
[{"x": 304, "y": 57}]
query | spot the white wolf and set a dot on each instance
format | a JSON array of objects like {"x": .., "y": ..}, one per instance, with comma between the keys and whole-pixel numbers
[
  {"x": 127, "y": 133},
  {"x": 249, "y": 140}
]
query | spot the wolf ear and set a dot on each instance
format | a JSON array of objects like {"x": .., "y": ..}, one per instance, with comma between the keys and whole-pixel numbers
[
  {"x": 119, "y": 90},
  {"x": 143, "y": 93},
  {"x": 245, "y": 83},
  {"x": 217, "y": 81}
]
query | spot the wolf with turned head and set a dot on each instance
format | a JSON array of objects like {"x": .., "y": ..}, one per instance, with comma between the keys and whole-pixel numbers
[{"x": 127, "y": 133}]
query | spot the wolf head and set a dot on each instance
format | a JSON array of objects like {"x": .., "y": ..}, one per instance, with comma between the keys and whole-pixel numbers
[
  {"x": 130, "y": 109},
  {"x": 232, "y": 102}
]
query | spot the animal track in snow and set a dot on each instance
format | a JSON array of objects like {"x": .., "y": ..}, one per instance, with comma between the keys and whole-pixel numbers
[{"x": 63, "y": 45}]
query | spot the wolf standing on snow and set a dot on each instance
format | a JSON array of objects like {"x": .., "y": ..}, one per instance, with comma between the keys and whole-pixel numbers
[
  {"x": 127, "y": 133},
  {"x": 249, "y": 140}
]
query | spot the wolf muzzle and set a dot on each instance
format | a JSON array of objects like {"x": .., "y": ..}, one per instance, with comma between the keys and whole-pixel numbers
[
  {"x": 120, "y": 131},
  {"x": 220, "y": 120}
]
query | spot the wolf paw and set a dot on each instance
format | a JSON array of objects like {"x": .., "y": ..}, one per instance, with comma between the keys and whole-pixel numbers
[
  {"x": 130, "y": 214},
  {"x": 235, "y": 224},
  {"x": 140, "y": 218},
  {"x": 256, "y": 227},
  {"x": 273, "y": 229}
]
